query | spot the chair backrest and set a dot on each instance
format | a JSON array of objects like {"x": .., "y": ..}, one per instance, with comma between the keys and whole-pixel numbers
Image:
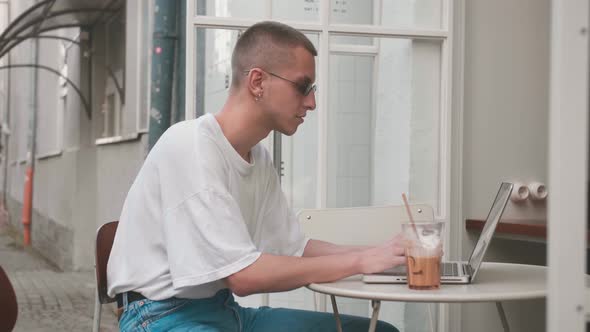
[
  {"x": 104, "y": 243},
  {"x": 7, "y": 303},
  {"x": 359, "y": 225}
]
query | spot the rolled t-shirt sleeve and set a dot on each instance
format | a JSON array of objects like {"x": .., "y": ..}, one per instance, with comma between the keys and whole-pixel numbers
[
  {"x": 207, "y": 239},
  {"x": 283, "y": 234}
]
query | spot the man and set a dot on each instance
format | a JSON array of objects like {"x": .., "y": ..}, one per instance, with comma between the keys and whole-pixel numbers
[{"x": 206, "y": 216}]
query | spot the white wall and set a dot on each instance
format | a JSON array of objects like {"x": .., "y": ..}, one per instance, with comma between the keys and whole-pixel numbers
[
  {"x": 506, "y": 98},
  {"x": 505, "y": 133},
  {"x": 79, "y": 185}
]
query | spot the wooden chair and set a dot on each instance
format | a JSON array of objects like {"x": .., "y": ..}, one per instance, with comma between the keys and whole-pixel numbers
[
  {"x": 357, "y": 226},
  {"x": 7, "y": 303},
  {"x": 104, "y": 243}
]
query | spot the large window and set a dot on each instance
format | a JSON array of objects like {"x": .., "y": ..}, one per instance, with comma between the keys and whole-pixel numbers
[
  {"x": 381, "y": 126},
  {"x": 111, "y": 75},
  {"x": 121, "y": 55},
  {"x": 54, "y": 91}
]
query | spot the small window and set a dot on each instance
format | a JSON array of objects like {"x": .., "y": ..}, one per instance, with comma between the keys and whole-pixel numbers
[{"x": 109, "y": 69}]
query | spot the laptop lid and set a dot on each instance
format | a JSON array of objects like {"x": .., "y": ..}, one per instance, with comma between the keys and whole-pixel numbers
[{"x": 489, "y": 227}]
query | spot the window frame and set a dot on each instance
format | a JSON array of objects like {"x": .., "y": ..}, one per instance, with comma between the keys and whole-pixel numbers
[
  {"x": 324, "y": 29},
  {"x": 137, "y": 100}
]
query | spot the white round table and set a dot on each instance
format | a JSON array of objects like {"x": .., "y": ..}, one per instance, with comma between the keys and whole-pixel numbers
[{"x": 495, "y": 282}]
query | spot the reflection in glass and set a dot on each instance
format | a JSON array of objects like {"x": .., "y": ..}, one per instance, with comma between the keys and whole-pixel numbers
[
  {"x": 232, "y": 8},
  {"x": 351, "y": 40},
  {"x": 383, "y": 124},
  {"x": 299, "y": 154},
  {"x": 422, "y": 14},
  {"x": 349, "y": 130},
  {"x": 302, "y": 10},
  {"x": 213, "y": 65},
  {"x": 351, "y": 11}
]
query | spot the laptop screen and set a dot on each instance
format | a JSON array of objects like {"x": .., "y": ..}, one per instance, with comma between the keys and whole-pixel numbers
[{"x": 489, "y": 227}]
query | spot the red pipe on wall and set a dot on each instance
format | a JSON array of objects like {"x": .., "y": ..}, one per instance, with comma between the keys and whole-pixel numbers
[{"x": 27, "y": 206}]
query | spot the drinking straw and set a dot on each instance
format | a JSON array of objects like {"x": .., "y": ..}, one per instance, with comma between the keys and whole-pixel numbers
[{"x": 407, "y": 205}]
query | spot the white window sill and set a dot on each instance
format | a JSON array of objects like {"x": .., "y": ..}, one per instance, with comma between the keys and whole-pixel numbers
[
  {"x": 118, "y": 139},
  {"x": 51, "y": 154}
]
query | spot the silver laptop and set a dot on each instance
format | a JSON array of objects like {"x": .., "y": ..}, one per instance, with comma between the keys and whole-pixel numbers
[{"x": 457, "y": 272}]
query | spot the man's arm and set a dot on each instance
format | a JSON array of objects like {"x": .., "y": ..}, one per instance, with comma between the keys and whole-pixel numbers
[
  {"x": 316, "y": 248},
  {"x": 270, "y": 273}
]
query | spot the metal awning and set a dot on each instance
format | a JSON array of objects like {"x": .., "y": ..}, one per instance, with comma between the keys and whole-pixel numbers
[
  {"x": 55, "y": 14},
  {"x": 49, "y": 15}
]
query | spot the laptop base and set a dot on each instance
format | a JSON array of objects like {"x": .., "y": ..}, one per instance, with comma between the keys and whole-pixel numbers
[{"x": 397, "y": 275}]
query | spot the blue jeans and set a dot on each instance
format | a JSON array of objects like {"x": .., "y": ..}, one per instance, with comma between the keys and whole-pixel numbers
[{"x": 222, "y": 313}]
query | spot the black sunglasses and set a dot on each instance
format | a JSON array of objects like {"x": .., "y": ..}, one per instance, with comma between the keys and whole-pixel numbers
[{"x": 304, "y": 89}]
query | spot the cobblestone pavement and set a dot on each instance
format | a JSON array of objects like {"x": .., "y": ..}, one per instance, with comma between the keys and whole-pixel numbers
[{"x": 49, "y": 299}]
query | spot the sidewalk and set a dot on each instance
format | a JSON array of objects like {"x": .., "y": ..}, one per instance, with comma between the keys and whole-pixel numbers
[{"x": 48, "y": 299}]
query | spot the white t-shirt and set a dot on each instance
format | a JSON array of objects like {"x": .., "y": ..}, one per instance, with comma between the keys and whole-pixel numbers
[{"x": 196, "y": 213}]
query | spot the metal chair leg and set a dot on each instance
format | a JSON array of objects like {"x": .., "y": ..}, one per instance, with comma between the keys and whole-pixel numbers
[
  {"x": 265, "y": 299},
  {"x": 336, "y": 314},
  {"x": 319, "y": 302},
  {"x": 97, "y": 313},
  {"x": 376, "y": 304},
  {"x": 502, "y": 316},
  {"x": 323, "y": 304}
]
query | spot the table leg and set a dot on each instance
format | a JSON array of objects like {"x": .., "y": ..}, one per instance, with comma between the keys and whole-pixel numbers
[
  {"x": 376, "y": 304},
  {"x": 97, "y": 312},
  {"x": 336, "y": 314},
  {"x": 322, "y": 300},
  {"x": 502, "y": 315}
]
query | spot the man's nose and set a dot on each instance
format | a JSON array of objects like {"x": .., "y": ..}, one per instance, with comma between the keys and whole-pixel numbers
[{"x": 309, "y": 101}]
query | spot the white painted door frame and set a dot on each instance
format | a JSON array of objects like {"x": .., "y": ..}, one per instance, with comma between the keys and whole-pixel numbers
[{"x": 568, "y": 167}]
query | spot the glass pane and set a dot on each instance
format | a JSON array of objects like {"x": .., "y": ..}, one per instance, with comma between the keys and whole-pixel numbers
[
  {"x": 115, "y": 42},
  {"x": 299, "y": 155},
  {"x": 232, "y": 8},
  {"x": 351, "y": 11},
  {"x": 351, "y": 40},
  {"x": 213, "y": 65},
  {"x": 300, "y": 10},
  {"x": 383, "y": 124},
  {"x": 421, "y": 14}
]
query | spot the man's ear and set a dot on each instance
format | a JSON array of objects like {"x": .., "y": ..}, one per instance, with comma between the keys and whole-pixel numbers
[{"x": 254, "y": 80}]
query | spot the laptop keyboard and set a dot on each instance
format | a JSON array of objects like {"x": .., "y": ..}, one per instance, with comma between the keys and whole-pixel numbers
[{"x": 449, "y": 269}]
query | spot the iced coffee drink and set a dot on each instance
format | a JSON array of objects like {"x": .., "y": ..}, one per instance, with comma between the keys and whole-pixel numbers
[{"x": 423, "y": 254}]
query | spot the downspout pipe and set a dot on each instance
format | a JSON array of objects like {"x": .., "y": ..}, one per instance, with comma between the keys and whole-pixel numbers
[
  {"x": 180, "y": 76},
  {"x": 6, "y": 121},
  {"x": 30, "y": 171},
  {"x": 162, "y": 68}
]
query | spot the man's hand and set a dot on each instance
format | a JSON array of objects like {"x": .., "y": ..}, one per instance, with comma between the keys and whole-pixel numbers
[
  {"x": 385, "y": 256},
  {"x": 271, "y": 273}
]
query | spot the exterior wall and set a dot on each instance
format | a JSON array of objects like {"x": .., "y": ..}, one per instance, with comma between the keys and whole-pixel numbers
[
  {"x": 506, "y": 79},
  {"x": 78, "y": 185}
]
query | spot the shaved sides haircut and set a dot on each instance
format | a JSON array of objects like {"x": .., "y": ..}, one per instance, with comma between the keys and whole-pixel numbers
[{"x": 266, "y": 45}]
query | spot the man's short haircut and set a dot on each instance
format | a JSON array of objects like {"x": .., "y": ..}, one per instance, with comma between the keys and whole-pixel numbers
[{"x": 266, "y": 45}]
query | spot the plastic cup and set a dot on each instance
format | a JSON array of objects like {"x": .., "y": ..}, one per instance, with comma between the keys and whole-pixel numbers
[{"x": 423, "y": 254}]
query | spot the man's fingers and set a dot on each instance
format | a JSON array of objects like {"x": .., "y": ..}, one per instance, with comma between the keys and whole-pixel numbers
[
  {"x": 399, "y": 251},
  {"x": 399, "y": 260}
]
